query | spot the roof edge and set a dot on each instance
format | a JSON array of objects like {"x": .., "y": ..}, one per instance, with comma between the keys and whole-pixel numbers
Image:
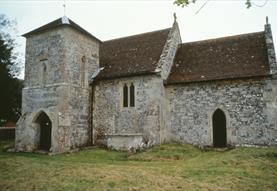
[
  {"x": 168, "y": 41},
  {"x": 216, "y": 79},
  {"x": 139, "y": 34},
  {"x": 37, "y": 30},
  {"x": 127, "y": 75},
  {"x": 60, "y": 22},
  {"x": 222, "y": 38}
]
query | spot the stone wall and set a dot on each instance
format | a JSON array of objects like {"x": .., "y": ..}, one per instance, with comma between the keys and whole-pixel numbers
[
  {"x": 58, "y": 66},
  {"x": 45, "y": 49},
  {"x": 34, "y": 101},
  {"x": 80, "y": 50},
  {"x": 250, "y": 107},
  {"x": 110, "y": 117}
]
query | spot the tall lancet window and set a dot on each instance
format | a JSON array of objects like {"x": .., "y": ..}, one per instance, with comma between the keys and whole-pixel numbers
[
  {"x": 43, "y": 65},
  {"x": 82, "y": 71},
  {"x": 128, "y": 95},
  {"x": 125, "y": 95},
  {"x": 43, "y": 74},
  {"x": 132, "y": 95}
]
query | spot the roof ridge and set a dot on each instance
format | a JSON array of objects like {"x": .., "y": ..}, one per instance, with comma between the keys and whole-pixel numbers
[
  {"x": 222, "y": 38},
  {"x": 140, "y": 34}
]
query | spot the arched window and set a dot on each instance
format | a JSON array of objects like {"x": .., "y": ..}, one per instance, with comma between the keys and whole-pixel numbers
[
  {"x": 82, "y": 71},
  {"x": 125, "y": 95},
  {"x": 132, "y": 95}
]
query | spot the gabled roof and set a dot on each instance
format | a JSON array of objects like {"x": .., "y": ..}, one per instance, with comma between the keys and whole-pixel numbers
[
  {"x": 223, "y": 58},
  {"x": 63, "y": 21},
  {"x": 133, "y": 55}
]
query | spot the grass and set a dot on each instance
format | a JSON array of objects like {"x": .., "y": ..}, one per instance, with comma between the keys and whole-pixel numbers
[{"x": 165, "y": 167}]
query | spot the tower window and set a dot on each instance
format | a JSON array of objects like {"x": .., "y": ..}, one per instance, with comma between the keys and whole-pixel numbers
[
  {"x": 82, "y": 71},
  {"x": 125, "y": 95},
  {"x": 43, "y": 72}
]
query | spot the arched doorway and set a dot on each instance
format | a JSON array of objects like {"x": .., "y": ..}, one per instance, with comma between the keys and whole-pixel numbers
[
  {"x": 45, "y": 131},
  {"x": 219, "y": 129}
]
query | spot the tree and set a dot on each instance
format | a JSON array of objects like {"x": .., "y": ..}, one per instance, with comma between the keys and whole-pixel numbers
[
  {"x": 184, "y": 3},
  {"x": 10, "y": 86}
]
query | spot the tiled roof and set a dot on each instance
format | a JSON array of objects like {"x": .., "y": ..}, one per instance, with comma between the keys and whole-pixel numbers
[
  {"x": 223, "y": 58},
  {"x": 133, "y": 55},
  {"x": 63, "y": 21}
]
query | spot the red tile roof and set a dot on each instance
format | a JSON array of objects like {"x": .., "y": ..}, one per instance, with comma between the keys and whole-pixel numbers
[{"x": 223, "y": 58}]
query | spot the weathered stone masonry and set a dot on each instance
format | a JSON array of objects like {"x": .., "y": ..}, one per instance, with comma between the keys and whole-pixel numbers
[
  {"x": 62, "y": 95},
  {"x": 247, "y": 104},
  {"x": 110, "y": 117},
  {"x": 74, "y": 89}
]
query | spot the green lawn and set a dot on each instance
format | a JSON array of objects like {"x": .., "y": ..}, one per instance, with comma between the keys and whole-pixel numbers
[{"x": 166, "y": 167}]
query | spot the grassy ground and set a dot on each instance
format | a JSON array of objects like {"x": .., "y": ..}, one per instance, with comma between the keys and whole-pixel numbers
[{"x": 166, "y": 167}]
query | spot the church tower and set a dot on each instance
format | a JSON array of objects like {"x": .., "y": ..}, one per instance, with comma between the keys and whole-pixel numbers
[{"x": 60, "y": 59}]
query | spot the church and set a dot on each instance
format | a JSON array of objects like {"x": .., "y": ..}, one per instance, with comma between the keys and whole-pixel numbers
[{"x": 137, "y": 91}]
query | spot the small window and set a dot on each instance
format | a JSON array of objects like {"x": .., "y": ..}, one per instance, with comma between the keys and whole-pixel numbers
[
  {"x": 82, "y": 70},
  {"x": 43, "y": 72},
  {"x": 132, "y": 95},
  {"x": 129, "y": 95},
  {"x": 125, "y": 96}
]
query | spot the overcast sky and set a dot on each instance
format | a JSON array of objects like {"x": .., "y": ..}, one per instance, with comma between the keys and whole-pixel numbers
[{"x": 112, "y": 19}]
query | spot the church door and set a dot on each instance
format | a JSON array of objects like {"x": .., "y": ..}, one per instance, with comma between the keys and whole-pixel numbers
[
  {"x": 219, "y": 129},
  {"x": 45, "y": 131}
]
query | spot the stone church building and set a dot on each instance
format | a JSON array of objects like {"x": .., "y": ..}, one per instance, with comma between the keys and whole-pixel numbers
[{"x": 146, "y": 89}]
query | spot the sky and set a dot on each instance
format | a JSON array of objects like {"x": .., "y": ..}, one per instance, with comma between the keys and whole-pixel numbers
[{"x": 113, "y": 19}]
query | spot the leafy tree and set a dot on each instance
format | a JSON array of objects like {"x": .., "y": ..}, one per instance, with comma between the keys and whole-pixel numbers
[
  {"x": 184, "y": 3},
  {"x": 10, "y": 86}
]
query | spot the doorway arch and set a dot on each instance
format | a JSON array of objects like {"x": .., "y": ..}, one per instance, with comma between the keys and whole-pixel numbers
[
  {"x": 45, "y": 129},
  {"x": 219, "y": 129}
]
